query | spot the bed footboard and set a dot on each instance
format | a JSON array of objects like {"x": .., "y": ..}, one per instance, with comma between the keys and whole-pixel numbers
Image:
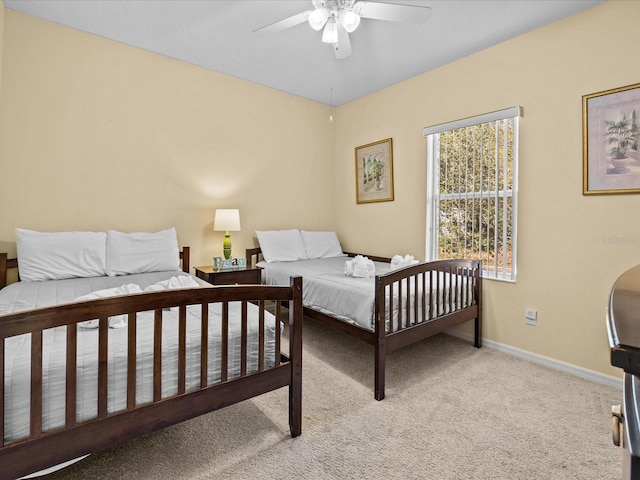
[
  {"x": 43, "y": 448},
  {"x": 416, "y": 302},
  {"x": 411, "y": 304}
]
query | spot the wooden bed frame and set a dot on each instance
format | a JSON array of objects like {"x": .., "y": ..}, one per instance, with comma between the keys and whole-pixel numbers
[
  {"x": 43, "y": 450},
  {"x": 386, "y": 340}
]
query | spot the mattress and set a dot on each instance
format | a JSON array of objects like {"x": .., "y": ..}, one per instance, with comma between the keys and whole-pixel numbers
[
  {"x": 25, "y": 295},
  {"x": 327, "y": 289}
]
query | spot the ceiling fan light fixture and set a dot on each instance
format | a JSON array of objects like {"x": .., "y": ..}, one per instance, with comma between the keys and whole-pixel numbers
[
  {"x": 349, "y": 20},
  {"x": 330, "y": 33},
  {"x": 318, "y": 18}
]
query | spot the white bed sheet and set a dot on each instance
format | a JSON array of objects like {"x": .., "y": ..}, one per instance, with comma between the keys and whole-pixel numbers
[
  {"x": 25, "y": 295},
  {"x": 327, "y": 289}
]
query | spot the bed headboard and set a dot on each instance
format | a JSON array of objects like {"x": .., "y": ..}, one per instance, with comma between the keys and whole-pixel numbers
[
  {"x": 184, "y": 256},
  {"x": 7, "y": 264},
  {"x": 253, "y": 256}
]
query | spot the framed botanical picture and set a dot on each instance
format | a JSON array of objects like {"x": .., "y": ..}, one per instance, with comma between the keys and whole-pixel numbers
[
  {"x": 610, "y": 135},
  {"x": 374, "y": 172}
]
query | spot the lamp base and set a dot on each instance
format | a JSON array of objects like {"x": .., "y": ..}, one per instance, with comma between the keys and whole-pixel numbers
[{"x": 226, "y": 246}]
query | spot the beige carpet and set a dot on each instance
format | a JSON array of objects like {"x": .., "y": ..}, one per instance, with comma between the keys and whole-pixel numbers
[{"x": 451, "y": 412}]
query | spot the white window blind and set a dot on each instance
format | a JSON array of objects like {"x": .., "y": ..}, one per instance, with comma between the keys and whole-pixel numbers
[{"x": 471, "y": 194}]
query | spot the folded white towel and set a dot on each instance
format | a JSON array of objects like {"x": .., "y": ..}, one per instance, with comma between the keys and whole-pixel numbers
[
  {"x": 348, "y": 268},
  {"x": 361, "y": 267},
  {"x": 398, "y": 261},
  {"x": 173, "y": 283},
  {"x": 117, "y": 321}
]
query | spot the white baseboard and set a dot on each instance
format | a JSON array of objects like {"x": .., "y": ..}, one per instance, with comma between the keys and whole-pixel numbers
[{"x": 541, "y": 359}]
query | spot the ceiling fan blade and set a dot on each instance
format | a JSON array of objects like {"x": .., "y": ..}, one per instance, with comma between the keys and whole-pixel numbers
[
  {"x": 392, "y": 12},
  {"x": 285, "y": 23},
  {"x": 342, "y": 48}
]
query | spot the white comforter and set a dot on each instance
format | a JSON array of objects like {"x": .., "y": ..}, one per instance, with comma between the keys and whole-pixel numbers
[
  {"x": 327, "y": 289},
  {"x": 26, "y": 295}
]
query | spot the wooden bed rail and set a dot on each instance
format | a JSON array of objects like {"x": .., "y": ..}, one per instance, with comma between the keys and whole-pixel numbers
[
  {"x": 427, "y": 291},
  {"x": 76, "y": 438}
]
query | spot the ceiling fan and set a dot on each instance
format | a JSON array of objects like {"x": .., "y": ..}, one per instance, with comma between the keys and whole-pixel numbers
[{"x": 338, "y": 18}]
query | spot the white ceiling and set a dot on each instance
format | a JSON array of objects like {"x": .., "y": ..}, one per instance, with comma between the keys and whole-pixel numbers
[{"x": 217, "y": 34}]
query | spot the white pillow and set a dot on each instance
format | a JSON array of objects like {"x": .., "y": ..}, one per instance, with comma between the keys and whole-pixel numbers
[
  {"x": 281, "y": 245},
  {"x": 321, "y": 244},
  {"x": 142, "y": 252},
  {"x": 58, "y": 255}
]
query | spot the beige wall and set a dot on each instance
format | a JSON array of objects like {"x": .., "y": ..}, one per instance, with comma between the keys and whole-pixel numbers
[
  {"x": 96, "y": 135},
  {"x": 566, "y": 263},
  {"x": 1, "y": 40}
]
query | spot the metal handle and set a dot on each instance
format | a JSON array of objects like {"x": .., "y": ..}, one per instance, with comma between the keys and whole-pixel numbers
[{"x": 617, "y": 419}]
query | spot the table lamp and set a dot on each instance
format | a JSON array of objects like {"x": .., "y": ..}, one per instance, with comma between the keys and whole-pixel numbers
[{"x": 227, "y": 220}]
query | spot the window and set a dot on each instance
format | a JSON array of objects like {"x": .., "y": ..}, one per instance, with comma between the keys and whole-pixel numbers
[{"x": 471, "y": 193}]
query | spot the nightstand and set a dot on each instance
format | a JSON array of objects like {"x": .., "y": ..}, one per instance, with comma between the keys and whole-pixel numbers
[{"x": 230, "y": 276}]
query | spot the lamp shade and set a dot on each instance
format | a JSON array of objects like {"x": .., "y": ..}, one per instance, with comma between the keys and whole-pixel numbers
[
  {"x": 227, "y": 220},
  {"x": 330, "y": 32},
  {"x": 318, "y": 18},
  {"x": 349, "y": 20}
]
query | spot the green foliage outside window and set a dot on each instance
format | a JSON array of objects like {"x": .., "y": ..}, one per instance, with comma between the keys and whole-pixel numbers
[{"x": 476, "y": 193}]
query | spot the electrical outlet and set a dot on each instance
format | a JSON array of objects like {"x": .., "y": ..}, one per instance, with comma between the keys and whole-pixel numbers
[{"x": 530, "y": 316}]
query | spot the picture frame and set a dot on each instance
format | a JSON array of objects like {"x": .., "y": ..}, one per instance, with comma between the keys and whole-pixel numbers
[
  {"x": 374, "y": 172},
  {"x": 610, "y": 136}
]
